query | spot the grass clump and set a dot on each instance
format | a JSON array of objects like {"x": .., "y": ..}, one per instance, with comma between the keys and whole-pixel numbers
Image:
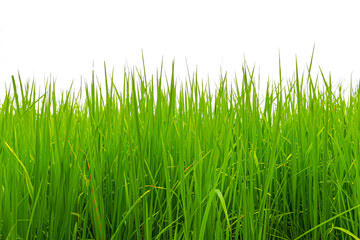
[{"x": 153, "y": 162}]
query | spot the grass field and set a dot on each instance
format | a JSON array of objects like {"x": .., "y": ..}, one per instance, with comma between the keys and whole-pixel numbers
[{"x": 156, "y": 161}]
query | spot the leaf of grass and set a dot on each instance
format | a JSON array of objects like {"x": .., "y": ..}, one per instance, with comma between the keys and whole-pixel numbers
[
  {"x": 329, "y": 220},
  {"x": 27, "y": 177},
  {"x": 347, "y": 232}
]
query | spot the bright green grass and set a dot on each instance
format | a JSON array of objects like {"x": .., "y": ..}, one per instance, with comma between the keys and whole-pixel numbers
[{"x": 148, "y": 162}]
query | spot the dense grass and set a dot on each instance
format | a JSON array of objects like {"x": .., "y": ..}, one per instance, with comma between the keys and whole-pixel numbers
[{"x": 155, "y": 162}]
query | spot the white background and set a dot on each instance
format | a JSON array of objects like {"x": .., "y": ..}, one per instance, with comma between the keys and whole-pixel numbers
[{"x": 63, "y": 40}]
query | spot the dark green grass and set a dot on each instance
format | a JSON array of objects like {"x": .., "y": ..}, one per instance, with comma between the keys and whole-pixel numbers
[{"x": 154, "y": 162}]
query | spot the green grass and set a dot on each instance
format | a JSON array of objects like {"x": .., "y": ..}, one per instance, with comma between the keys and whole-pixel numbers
[{"x": 156, "y": 161}]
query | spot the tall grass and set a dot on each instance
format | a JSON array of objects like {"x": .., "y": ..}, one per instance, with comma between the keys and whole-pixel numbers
[{"x": 155, "y": 162}]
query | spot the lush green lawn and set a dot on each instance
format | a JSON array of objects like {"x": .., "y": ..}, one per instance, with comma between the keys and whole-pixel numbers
[{"x": 153, "y": 162}]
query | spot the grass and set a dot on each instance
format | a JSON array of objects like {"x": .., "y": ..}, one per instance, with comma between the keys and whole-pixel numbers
[{"x": 158, "y": 161}]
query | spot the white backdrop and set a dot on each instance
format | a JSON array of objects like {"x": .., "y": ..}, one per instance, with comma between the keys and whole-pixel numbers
[{"x": 65, "y": 39}]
